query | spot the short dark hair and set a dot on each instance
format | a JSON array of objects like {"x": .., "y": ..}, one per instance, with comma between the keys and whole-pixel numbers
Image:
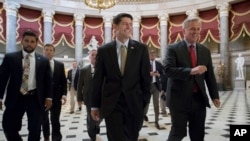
[
  {"x": 117, "y": 19},
  {"x": 49, "y": 45},
  {"x": 30, "y": 33}
]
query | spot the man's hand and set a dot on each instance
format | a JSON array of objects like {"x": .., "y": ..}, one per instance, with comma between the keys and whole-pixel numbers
[
  {"x": 95, "y": 114},
  {"x": 154, "y": 73},
  {"x": 48, "y": 104},
  {"x": 198, "y": 70},
  {"x": 216, "y": 103},
  {"x": 64, "y": 99}
]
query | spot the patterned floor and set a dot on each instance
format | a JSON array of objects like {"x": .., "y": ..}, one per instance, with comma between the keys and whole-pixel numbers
[{"x": 235, "y": 109}]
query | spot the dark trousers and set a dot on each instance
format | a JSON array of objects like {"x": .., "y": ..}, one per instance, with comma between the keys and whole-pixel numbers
[
  {"x": 12, "y": 118},
  {"x": 93, "y": 127},
  {"x": 195, "y": 118},
  {"x": 122, "y": 125},
  {"x": 55, "y": 112}
]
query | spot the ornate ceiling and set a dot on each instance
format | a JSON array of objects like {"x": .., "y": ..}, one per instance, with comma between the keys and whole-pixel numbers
[{"x": 135, "y": 1}]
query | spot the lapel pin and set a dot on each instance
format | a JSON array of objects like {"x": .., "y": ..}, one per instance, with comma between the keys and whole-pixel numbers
[{"x": 132, "y": 47}]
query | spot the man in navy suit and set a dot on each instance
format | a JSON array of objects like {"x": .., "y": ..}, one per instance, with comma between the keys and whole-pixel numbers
[
  {"x": 121, "y": 93},
  {"x": 188, "y": 65},
  {"x": 35, "y": 100},
  {"x": 59, "y": 96}
]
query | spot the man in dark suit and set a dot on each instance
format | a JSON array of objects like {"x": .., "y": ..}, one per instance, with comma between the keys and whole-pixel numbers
[
  {"x": 121, "y": 89},
  {"x": 33, "y": 99},
  {"x": 59, "y": 96},
  {"x": 84, "y": 90},
  {"x": 72, "y": 78},
  {"x": 188, "y": 65},
  {"x": 156, "y": 86}
]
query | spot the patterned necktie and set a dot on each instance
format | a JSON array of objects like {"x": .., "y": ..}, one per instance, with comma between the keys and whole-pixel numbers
[
  {"x": 26, "y": 71},
  {"x": 123, "y": 50},
  {"x": 194, "y": 63}
]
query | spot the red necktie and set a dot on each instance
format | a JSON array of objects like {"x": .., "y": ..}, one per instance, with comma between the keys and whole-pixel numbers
[
  {"x": 192, "y": 55},
  {"x": 194, "y": 63}
]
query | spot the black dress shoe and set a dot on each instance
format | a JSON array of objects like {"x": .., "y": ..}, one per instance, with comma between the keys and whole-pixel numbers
[
  {"x": 146, "y": 118},
  {"x": 97, "y": 130},
  {"x": 80, "y": 108},
  {"x": 71, "y": 112},
  {"x": 157, "y": 125}
]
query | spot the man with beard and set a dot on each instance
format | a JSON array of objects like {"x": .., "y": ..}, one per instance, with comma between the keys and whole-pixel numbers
[{"x": 27, "y": 76}]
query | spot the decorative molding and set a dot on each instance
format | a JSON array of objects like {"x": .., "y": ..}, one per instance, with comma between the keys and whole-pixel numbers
[
  {"x": 79, "y": 18},
  {"x": 136, "y": 20},
  {"x": 192, "y": 13},
  {"x": 48, "y": 15},
  {"x": 163, "y": 19},
  {"x": 223, "y": 9},
  {"x": 11, "y": 8},
  {"x": 107, "y": 20}
]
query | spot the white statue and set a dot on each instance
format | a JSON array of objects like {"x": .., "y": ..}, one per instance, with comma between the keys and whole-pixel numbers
[
  {"x": 93, "y": 44},
  {"x": 240, "y": 63}
]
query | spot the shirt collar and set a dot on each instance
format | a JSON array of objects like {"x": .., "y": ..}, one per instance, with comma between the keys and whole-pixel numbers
[
  {"x": 119, "y": 43},
  {"x": 32, "y": 54},
  {"x": 188, "y": 44}
]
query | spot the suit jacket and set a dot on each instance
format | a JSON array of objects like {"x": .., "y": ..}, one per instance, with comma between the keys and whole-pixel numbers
[
  {"x": 11, "y": 74},
  {"x": 109, "y": 83},
  {"x": 84, "y": 87},
  {"x": 69, "y": 77},
  {"x": 159, "y": 68},
  {"x": 180, "y": 83},
  {"x": 59, "y": 81}
]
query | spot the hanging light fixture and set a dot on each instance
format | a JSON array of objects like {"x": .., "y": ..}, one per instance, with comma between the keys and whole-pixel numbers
[{"x": 100, "y": 4}]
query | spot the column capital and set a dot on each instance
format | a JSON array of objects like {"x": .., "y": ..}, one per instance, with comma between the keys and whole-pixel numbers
[
  {"x": 163, "y": 18},
  {"x": 11, "y": 7},
  {"x": 107, "y": 20},
  {"x": 223, "y": 8},
  {"x": 136, "y": 20},
  {"x": 192, "y": 13},
  {"x": 79, "y": 18},
  {"x": 48, "y": 15}
]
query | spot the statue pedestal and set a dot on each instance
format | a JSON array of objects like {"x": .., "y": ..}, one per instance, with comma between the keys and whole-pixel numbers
[{"x": 239, "y": 84}]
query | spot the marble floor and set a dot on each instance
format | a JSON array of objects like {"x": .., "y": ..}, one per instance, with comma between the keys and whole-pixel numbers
[{"x": 235, "y": 109}]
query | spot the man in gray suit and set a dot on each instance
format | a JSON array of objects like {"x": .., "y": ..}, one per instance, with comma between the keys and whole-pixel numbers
[
  {"x": 121, "y": 83},
  {"x": 84, "y": 93},
  {"x": 27, "y": 76},
  {"x": 188, "y": 65}
]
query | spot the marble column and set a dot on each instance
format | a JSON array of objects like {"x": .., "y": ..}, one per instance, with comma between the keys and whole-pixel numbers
[
  {"x": 224, "y": 37},
  {"x": 47, "y": 21},
  {"x": 107, "y": 28},
  {"x": 11, "y": 8},
  {"x": 136, "y": 27},
  {"x": 163, "y": 33},
  {"x": 79, "y": 38}
]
